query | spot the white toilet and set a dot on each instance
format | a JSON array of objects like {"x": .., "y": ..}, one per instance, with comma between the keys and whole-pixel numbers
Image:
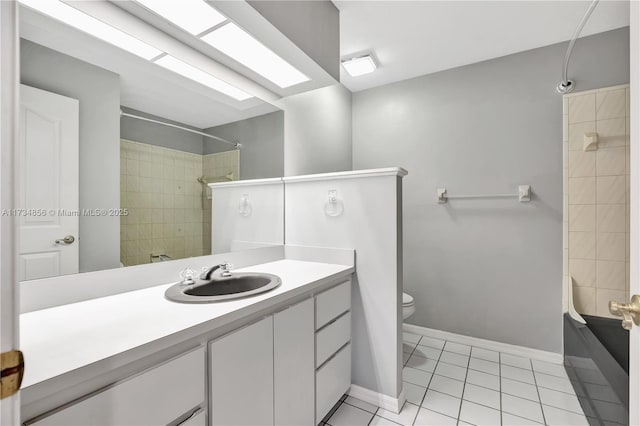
[{"x": 408, "y": 306}]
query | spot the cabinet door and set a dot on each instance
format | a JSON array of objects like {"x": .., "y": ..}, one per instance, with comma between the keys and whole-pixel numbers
[
  {"x": 155, "y": 397},
  {"x": 242, "y": 376},
  {"x": 294, "y": 372}
]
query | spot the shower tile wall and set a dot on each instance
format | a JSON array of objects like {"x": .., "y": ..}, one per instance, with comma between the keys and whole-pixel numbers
[
  {"x": 217, "y": 166},
  {"x": 596, "y": 199},
  {"x": 159, "y": 187}
]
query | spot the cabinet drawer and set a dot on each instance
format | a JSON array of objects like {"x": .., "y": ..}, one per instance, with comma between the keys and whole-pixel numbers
[
  {"x": 156, "y": 396},
  {"x": 332, "y": 381},
  {"x": 332, "y": 303},
  {"x": 332, "y": 337}
]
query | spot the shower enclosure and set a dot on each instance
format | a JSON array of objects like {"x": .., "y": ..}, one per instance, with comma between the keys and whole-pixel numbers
[
  {"x": 596, "y": 249},
  {"x": 166, "y": 195}
]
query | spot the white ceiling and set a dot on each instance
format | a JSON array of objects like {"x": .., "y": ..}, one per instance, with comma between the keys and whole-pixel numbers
[{"x": 413, "y": 38}]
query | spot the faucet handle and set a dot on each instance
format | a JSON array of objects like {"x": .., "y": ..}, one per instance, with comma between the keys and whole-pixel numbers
[
  {"x": 187, "y": 276},
  {"x": 226, "y": 266}
]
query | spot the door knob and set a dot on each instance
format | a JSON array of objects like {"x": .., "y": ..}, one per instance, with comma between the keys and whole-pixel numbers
[
  {"x": 630, "y": 312},
  {"x": 69, "y": 239}
]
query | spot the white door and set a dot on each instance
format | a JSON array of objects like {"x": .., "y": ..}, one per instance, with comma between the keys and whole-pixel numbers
[
  {"x": 48, "y": 198},
  {"x": 634, "y": 282}
]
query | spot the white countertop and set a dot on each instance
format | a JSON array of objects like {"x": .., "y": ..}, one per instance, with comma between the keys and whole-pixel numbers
[{"x": 64, "y": 338}]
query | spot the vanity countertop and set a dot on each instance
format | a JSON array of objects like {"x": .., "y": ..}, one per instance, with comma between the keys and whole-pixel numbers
[{"x": 64, "y": 338}]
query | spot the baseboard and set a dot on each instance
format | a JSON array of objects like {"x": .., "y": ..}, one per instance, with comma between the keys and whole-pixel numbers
[
  {"x": 380, "y": 400},
  {"x": 551, "y": 357}
]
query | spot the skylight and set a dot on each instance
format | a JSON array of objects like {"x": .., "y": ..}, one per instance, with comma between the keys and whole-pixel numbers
[
  {"x": 194, "y": 16},
  {"x": 90, "y": 25},
  {"x": 236, "y": 43},
  {"x": 179, "y": 67}
]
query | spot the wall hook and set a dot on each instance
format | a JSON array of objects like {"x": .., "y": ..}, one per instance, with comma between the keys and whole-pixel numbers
[
  {"x": 333, "y": 207},
  {"x": 244, "y": 206}
]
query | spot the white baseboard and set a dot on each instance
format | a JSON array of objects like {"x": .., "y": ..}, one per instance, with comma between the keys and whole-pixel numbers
[
  {"x": 380, "y": 400},
  {"x": 551, "y": 357}
]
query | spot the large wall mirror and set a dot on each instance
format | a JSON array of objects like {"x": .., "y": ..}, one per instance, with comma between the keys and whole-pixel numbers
[{"x": 117, "y": 151}]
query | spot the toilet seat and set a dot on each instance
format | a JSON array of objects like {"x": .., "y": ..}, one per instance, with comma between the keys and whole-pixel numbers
[
  {"x": 408, "y": 306},
  {"x": 407, "y": 300}
]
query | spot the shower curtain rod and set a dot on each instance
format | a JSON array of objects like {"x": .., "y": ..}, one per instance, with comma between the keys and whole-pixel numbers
[
  {"x": 236, "y": 145},
  {"x": 567, "y": 85}
]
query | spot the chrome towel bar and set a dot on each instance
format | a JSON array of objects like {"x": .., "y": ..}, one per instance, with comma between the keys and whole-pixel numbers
[{"x": 523, "y": 195}]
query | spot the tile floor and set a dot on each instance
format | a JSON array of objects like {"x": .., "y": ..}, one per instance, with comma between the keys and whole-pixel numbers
[{"x": 448, "y": 383}]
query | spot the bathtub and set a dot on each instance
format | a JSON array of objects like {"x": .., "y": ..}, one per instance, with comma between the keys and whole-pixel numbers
[{"x": 596, "y": 358}]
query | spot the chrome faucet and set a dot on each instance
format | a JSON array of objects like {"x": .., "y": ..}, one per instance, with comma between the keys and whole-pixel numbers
[{"x": 225, "y": 273}]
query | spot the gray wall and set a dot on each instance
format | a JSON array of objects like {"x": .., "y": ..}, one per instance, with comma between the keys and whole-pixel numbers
[
  {"x": 98, "y": 91},
  {"x": 157, "y": 134},
  {"x": 314, "y": 26},
  {"x": 262, "y": 139},
  {"x": 484, "y": 268},
  {"x": 317, "y": 131}
]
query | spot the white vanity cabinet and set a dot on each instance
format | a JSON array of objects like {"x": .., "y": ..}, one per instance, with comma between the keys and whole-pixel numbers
[
  {"x": 161, "y": 395},
  {"x": 287, "y": 366},
  {"x": 263, "y": 374},
  {"x": 333, "y": 347}
]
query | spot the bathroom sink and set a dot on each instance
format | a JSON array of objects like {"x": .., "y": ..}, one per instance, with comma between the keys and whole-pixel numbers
[{"x": 223, "y": 288}]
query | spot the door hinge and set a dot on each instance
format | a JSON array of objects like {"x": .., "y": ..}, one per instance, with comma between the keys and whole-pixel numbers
[{"x": 11, "y": 372}]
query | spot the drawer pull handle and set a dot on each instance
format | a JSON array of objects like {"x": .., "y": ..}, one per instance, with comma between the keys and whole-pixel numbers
[
  {"x": 192, "y": 415},
  {"x": 333, "y": 355},
  {"x": 333, "y": 321}
]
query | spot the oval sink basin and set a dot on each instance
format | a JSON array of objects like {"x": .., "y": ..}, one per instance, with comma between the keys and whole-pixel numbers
[{"x": 222, "y": 289}]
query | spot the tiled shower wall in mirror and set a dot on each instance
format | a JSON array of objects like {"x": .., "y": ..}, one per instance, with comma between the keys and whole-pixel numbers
[
  {"x": 169, "y": 212},
  {"x": 596, "y": 197}
]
